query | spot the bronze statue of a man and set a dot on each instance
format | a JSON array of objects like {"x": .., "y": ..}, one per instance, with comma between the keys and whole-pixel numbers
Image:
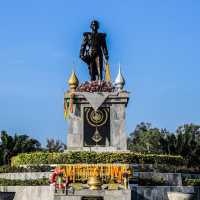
[{"x": 94, "y": 51}]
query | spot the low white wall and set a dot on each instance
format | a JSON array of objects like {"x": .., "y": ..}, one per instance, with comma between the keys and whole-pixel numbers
[
  {"x": 30, "y": 192},
  {"x": 47, "y": 193}
]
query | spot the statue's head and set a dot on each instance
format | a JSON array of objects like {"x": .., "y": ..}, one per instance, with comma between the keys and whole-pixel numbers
[{"x": 94, "y": 25}]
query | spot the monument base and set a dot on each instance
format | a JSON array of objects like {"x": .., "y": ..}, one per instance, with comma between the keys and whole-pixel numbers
[
  {"x": 97, "y": 122},
  {"x": 97, "y": 195}
]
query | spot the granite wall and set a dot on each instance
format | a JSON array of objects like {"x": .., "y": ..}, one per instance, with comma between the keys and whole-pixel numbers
[
  {"x": 7, "y": 195},
  {"x": 137, "y": 193},
  {"x": 171, "y": 179},
  {"x": 160, "y": 192}
]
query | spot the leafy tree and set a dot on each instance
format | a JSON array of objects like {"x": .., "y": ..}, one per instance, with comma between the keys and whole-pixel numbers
[
  {"x": 188, "y": 142},
  {"x": 55, "y": 145},
  {"x": 11, "y": 146},
  {"x": 167, "y": 141},
  {"x": 145, "y": 139},
  {"x": 185, "y": 141}
]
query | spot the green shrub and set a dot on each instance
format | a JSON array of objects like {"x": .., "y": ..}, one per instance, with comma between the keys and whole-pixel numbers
[
  {"x": 36, "y": 182},
  {"x": 17, "y": 169},
  {"x": 39, "y": 158},
  {"x": 191, "y": 182}
]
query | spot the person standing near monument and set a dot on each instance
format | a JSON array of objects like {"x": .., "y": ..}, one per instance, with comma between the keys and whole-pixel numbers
[{"x": 94, "y": 51}]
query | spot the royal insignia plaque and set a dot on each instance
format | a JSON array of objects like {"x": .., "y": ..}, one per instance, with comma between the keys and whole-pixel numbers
[{"x": 96, "y": 126}]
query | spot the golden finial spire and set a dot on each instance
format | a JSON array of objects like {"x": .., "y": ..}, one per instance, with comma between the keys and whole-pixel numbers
[{"x": 73, "y": 81}]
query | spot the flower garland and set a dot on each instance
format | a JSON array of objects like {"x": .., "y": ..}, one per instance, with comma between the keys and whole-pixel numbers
[
  {"x": 96, "y": 86},
  {"x": 57, "y": 178},
  {"x": 77, "y": 172},
  {"x": 68, "y": 105}
]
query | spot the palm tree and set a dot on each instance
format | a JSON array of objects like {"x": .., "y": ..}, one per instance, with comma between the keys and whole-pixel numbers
[
  {"x": 6, "y": 146},
  {"x": 55, "y": 145},
  {"x": 11, "y": 146}
]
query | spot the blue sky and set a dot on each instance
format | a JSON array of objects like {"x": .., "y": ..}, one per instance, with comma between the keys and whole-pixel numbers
[{"x": 157, "y": 43}]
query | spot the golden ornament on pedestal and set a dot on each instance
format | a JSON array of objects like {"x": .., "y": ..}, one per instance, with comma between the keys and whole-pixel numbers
[
  {"x": 94, "y": 182},
  {"x": 73, "y": 82}
]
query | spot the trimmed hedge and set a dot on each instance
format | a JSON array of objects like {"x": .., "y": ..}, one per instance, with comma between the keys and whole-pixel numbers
[
  {"x": 191, "y": 182},
  {"x": 14, "y": 182},
  {"x": 17, "y": 169},
  {"x": 38, "y": 158}
]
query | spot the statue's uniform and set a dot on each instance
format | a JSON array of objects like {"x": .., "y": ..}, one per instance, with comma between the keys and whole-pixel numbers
[{"x": 92, "y": 50}]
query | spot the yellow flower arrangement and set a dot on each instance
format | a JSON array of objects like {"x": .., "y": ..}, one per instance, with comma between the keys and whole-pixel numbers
[{"x": 83, "y": 171}]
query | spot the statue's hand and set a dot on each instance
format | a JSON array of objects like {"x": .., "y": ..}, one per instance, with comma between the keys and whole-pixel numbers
[
  {"x": 106, "y": 57},
  {"x": 93, "y": 52}
]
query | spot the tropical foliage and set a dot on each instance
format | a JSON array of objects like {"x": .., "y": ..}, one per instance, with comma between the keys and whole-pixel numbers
[
  {"x": 12, "y": 145},
  {"x": 55, "y": 145}
]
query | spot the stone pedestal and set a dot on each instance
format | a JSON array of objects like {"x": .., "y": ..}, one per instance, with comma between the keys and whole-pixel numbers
[
  {"x": 97, "y": 194},
  {"x": 113, "y": 129}
]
